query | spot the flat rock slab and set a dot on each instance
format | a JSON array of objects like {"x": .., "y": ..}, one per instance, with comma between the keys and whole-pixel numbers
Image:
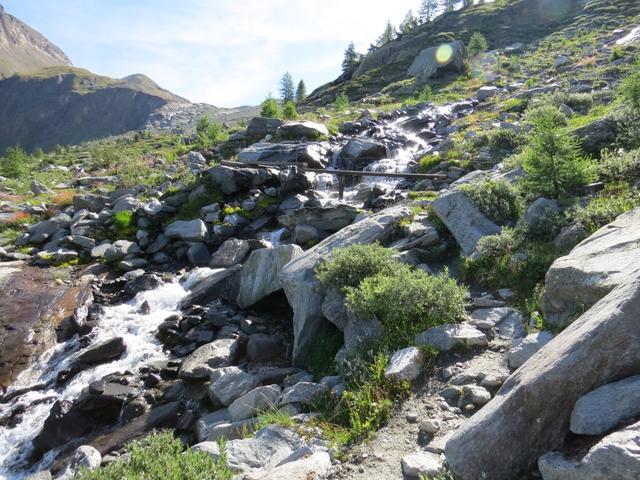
[
  {"x": 219, "y": 353},
  {"x": 447, "y": 337}
]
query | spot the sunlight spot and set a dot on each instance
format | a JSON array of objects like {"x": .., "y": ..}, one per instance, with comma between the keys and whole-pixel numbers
[{"x": 444, "y": 54}]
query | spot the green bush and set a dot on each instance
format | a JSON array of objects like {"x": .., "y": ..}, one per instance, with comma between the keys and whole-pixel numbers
[
  {"x": 427, "y": 162},
  {"x": 407, "y": 301},
  {"x": 350, "y": 265},
  {"x": 500, "y": 139},
  {"x": 581, "y": 102},
  {"x": 619, "y": 166},
  {"x": 477, "y": 44},
  {"x": 496, "y": 199},
  {"x": 270, "y": 108},
  {"x": 423, "y": 95},
  {"x": 289, "y": 111},
  {"x": 615, "y": 200},
  {"x": 341, "y": 102},
  {"x": 208, "y": 133},
  {"x": 629, "y": 90},
  {"x": 552, "y": 159},
  {"x": 159, "y": 457},
  {"x": 617, "y": 52},
  {"x": 123, "y": 223},
  {"x": 15, "y": 163}
]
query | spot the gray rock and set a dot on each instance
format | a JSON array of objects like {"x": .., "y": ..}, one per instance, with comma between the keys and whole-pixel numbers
[
  {"x": 307, "y": 233},
  {"x": 302, "y": 130},
  {"x": 231, "y": 180},
  {"x": 334, "y": 309},
  {"x": 231, "y": 386},
  {"x": 539, "y": 210},
  {"x": 606, "y": 407},
  {"x": 158, "y": 244},
  {"x": 198, "y": 255},
  {"x": 507, "y": 321},
  {"x": 313, "y": 466},
  {"x": 570, "y": 236},
  {"x": 601, "y": 346},
  {"x": 102, "y": 352},
  {"x": 37, "y": 188},
  {"x": 405, "y": 365},
  {"x": 260, "y": 275},
  {"x": 260, "y": 399},
  {"x": 120, "y": 249},
  {"x": 448, "y": 337},
  {"x": 315, "y": 154},
  {"x": 330, "y": 219},
  {"x": 126, "y": 204},
  {"x": 42, "y": 475},
  {"x": 219, "y": 353},
  {"x": 360, "y": 330},
  {"x": 596, "y": 266},
  {"x": 196, "y": 162},
  {"x": 597, "y": 135},
  {"x": 206, "y": 424},
  {"x": 474, "y": 394},
  {"x": 420, "y": 464},
  {"x": 83, "y": 242},
  {"x": 484, "y": 93},
  {"x": 230, "y": 253},
  {"x": 100, "y": 251},
  {"x": 153, "y": 207},
  {"x": 305, "y": 393},
  {"x": 269, "y": 448},
  {"x": 263, "y": 348},
  {"x": 561, "y": 61},
  {"x": 85, "y": 457},
  {"x": 187, "y": 230},
  {"x": 89, "y": 201},
  {"x": 464, "y": 220},
  {"x": 526, "y": 347},
  {"x": 211, "y": 287},
  {"x": 306, "y": 295},
  {"x": 428, "y": 63},
  {"x": 42, "y": 231},
  {"x": 616, "y": 456},
  {"x": 259, "y": 127},
  {"x": 359, "y": 152}
]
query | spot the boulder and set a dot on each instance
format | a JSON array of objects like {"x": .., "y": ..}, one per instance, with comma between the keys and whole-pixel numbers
[
  {"x": 84, "y": 458},
  {"x": 260, "y": 127},
  {"x": 570, "y": 236},
  {"x": 219, "y": 353},
  {"x": 260, "y": 399},
  {"x": 119, "y": 249},
  {"x": 540, "y": 210},
  {"x": 103, "y": 352},
  {"x": 311, "y": 467},
  {"x": 306, "y": 295},
  {"x": 152, "y": 207},
  {"x": 606, "y": 407},
  {"x": 230, "y": 180},
  {"x": 422, "y": 464},
  {"x": 602, "y": 346},
  {"x": 463, "y": 219},
  {"x": 89, "y": 201},
  {"x": 198, "y": 255},
  {"x": 63, "y": 424},
  {"x": 231, "y": 386},
  {"x": 263, "y": 348},
  {"x": 405, "y": 365},
  {"x": 485, "y": 93},
  {"x": 525, "y": 348},
  {"x": 597, "y": 135},
  {"x": 447, "y": 337},
  {"x": 330, "y": 218},
  {"x": 127, "y": 203},
  {"x": 304, "y": 393},
  {"x": 196, "y": 162},
  {"x": 210, "y": 287},
  {"x": 187, "y": 230},
  {"x": 43, "y": 231},
  {"x": 561, "y": 61},
  {"x": 260, "y": 275},
  {"x": 594, "y": 267},
  {"x": 302, "y": 130},
  {"x": 230, "y": 253},
  {"x": 38, "y": 188},
  {"x": 616, "y": 456},
  {"x": 507, "y": 321},
  {"x": 434, "y": 61},
  {"x": 360, "y": 152},
  {"x": 316, "y": 155}
]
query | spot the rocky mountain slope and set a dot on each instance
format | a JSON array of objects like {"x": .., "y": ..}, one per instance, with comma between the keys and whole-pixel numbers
[{"x": 23, "y": 49}]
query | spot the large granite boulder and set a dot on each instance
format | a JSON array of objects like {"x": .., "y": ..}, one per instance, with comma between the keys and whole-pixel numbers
[
  {"x": 530, "y": 415},
  {"x": 211, "y": 287},
  {"x": 187, "y": 230},
  {"x": 230, "y": 253},
  {"x": 597, "y": 135},
  {"x": 434, "y": 61},
  {"x": 359, "y": 152},
  {"x": 594, "y": 267},
  {"x": 616, "y": 456},
  {"x": 230, "y": 180},
  {"x": 329, "y": 219},
  {"x": 302, "y": 130},
  {"x": 463, "y": 219},
  {"x": 316, "y": 155},
  {"x": 200, "y": 364},
  {"x": 260, "y": 127},
  {"x": 306, "y": 294},
  {"x": 260, "y": 275}
]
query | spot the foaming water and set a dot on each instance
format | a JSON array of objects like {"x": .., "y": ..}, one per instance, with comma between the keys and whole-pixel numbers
[{"x": 126, "y": 321}]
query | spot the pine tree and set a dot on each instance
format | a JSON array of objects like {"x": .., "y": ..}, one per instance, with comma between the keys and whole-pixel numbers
[
  {"x": 387, "y": 36},
  {"x": 350, "y": 57},
  {"x": 478, "y": 44},
  {"x": 287, "y": 92},
  {"x": 428, "y": 10},
  {"x": 409, "y": 22},
  {"x": 301, "y": 91}
]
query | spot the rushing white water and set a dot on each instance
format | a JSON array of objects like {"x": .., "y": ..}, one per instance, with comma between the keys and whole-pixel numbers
[
  {"x": 126, "y": 321},
  {"x": 629, "y": 38}
]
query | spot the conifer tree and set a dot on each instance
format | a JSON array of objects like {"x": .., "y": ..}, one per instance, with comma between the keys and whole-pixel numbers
[
  {"x": 287, "y": 92},
  {"x": 301, "y": 91},
  {"x": 350, "y": 57}
]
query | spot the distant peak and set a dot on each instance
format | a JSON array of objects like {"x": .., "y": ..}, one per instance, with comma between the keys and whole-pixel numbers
[{"x": 1, "y": 8}]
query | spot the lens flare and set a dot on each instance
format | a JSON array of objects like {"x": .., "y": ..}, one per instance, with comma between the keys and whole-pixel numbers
[
  {"x": 485, "y": 67},
  {"x": 444, "y": 54}
]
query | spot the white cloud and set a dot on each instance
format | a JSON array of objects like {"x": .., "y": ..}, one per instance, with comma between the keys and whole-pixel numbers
[{"x": 225, "y": 52}]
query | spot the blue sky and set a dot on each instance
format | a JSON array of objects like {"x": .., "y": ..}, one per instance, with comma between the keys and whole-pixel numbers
[{"x": 223, "y": 52}]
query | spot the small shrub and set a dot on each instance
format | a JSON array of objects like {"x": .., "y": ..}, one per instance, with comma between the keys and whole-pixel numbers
[
  {"x": 270, "y": 108},
  {"x": 15, "y": 163},
  {"x": 63, "y": 199},
  {"x": 423, "y": 95},
  {"x": 629, "y": 90},
  {"x": 159, "y": 457},
  {"x": 16, "y": 219},
  {"x": 617, "y": 52},
  {"x": 615, "y": 200},
  {"x": 208, "y": 133},
  {"x": 123, "y": 223},
  {"x": 427, "y": 162},
  {"x": 552, "y": 159},
  {"x": 407, "y": 302},
  {"x": 341, "y": 102},
  {"x": 477, "y": 44},
  {"x": 619, "y": 166},
  {"x": 501, "y": 139},
  {"x": 498, "y": 200},
  {"x": 350, "y": 265},
  {"x": 289, "y": 111}
]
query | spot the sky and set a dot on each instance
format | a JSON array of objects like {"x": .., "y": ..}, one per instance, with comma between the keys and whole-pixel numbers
[{"x": 223, "y": 52}]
